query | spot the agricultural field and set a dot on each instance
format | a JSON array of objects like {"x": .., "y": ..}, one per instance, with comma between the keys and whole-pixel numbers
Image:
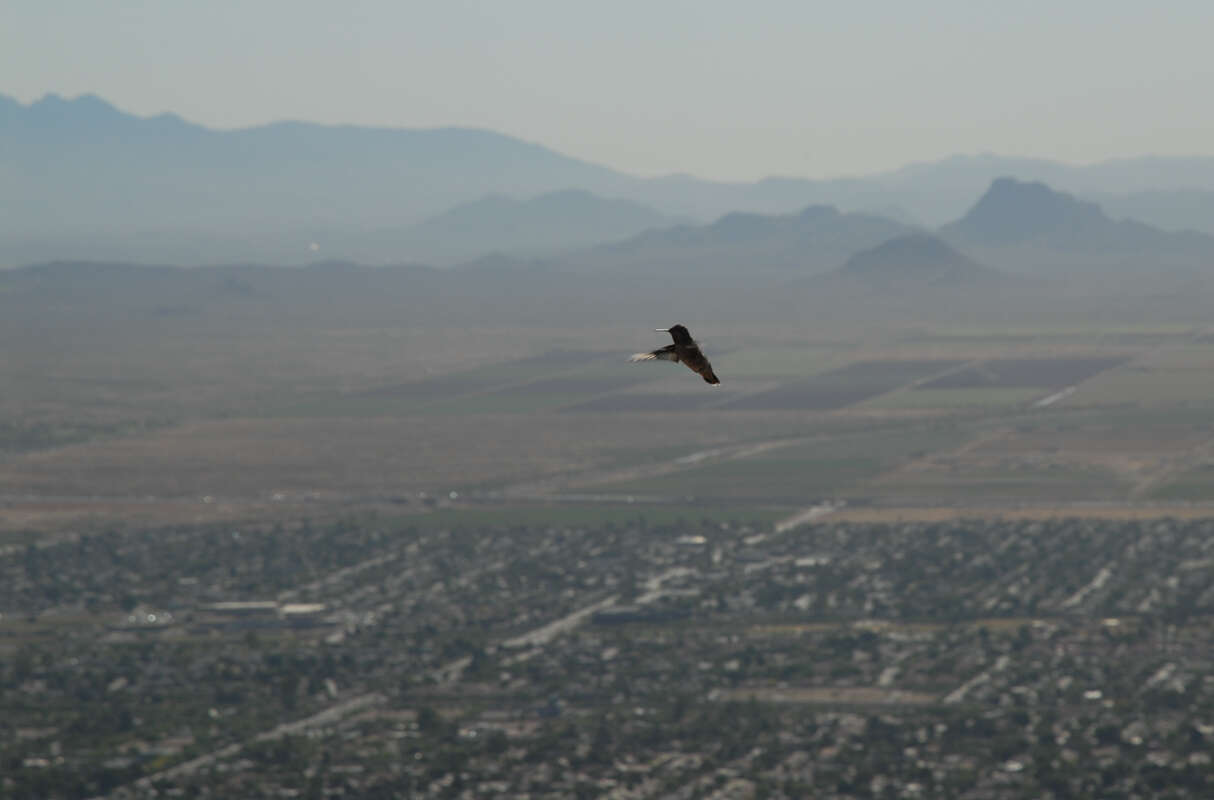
[
  {"x": 588, "y": 514},
  {"x": 1194, "y": 485},
  {"x": 802, "y": 473},
  {"x": 1177, "y": 376},
  {"x": 1009, "y": 373},
  {"x": 630, "y": 402},
  {"x": 959, "y": 399},
  {"x": 976, "y": 485},
  {"x": 781, "y": 360},
  {"x": 839, "y": 388},
  {"x": 913, "y": 417},
  {"x": 351, "y": 457}
]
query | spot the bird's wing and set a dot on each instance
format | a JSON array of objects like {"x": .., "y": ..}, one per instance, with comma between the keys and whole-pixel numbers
[{"x": 666, "y": 353}]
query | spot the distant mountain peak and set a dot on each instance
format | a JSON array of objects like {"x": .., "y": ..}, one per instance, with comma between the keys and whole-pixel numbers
[
  {"x": 78, "y": 116},
  {"x": 744, "y": 225},
  {"x": 544, "y": 223},
  {"x": 913, "y": 259},
  {"x": 819, "y": 212},
  {"x": 1014, "y": 211},
  {"x": 1016, "y": 222},
  {"x": 87, "y": 102}
]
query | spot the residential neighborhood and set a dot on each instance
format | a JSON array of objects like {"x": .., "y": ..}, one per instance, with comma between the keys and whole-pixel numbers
[{"x": 694, "y": 658}]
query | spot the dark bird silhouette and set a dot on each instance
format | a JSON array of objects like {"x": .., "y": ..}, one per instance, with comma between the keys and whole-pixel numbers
[{"x": 684, "y": 350}]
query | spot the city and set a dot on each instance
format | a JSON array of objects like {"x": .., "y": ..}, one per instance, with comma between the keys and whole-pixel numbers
[{"x": 688, "y": 658}]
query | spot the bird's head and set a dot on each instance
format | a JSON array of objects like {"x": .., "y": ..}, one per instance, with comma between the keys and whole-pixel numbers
[{"x": 677, "y": 332}]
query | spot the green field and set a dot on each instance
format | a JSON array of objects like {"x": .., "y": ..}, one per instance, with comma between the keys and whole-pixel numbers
[
  {"x": 592, "y": 515},
  {"x": 969, "y": 484},
  {"x": 1080, "y": 333},
  {"x": 801, "y": 473},
  {"x": 985, "y": 399},
  {"x": 780, "y": 361},
  {"x": 1194, "y": 486},
  {"x": 1150, "y": 385},
  {"x": 392, "y": 412}
]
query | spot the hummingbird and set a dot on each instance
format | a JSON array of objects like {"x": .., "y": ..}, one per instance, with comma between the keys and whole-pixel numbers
[{"x": 683, "y": 350}]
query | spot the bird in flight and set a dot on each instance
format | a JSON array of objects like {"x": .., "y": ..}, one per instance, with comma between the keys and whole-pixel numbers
[{"x": 684, "y": 350}]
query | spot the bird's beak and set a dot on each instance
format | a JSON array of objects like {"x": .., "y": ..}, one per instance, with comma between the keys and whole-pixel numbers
[{"x": 662, "y": 330}]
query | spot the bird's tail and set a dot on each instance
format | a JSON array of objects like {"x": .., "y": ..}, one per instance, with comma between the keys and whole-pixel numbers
[{"x": 710, "y": 376}]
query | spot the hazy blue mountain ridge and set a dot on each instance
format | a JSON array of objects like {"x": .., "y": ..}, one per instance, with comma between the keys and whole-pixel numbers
[
  {"x": 82, "y": 179},
  {"x": 1173, "y": 210},
  {"x": 742, "y": 266},
  {"x": 915, "y": 259},
  {"x": 534, "y": 226},
  {"x": 1027, "y": 226},
  {"x": 741, "y": 248},
  {"x": 81, "y": 164}
]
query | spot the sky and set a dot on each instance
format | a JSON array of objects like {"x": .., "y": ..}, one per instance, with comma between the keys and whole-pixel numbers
[{"x": 721, "y": 90}]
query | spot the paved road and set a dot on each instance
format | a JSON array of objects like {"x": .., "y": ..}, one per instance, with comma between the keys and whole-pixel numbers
[{"x": 323, "y": 718}]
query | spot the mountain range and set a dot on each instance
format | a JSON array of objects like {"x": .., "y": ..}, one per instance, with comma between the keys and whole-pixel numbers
[
  {"x": 83, "y": 179},
  {"x": 1015, "y": 228},
  {"x": 741, "y": 248},
  {"x": 1029, "y": 227},
  {"x": 913, "y": 261},
  {"x": 499, "y": 223},
  {"x": 1021, "y": 245}
]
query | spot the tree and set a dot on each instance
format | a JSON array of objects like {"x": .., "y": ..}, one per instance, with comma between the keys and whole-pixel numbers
[{"x": 428, "y": 720}]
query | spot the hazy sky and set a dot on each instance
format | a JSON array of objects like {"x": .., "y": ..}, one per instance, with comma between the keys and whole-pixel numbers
[{"x": 718, "y": 89}]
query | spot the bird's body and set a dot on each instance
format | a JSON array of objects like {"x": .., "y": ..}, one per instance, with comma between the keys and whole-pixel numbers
[{"x": 684, "y": 350}]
